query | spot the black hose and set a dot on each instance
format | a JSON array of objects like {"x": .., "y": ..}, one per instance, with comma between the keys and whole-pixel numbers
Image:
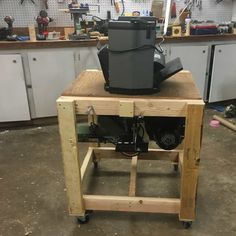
[
  {"x": 123, "y": 7},
  {"x": 96, "y": 17}
]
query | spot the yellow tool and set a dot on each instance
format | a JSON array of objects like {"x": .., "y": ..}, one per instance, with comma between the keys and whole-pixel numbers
[{"x": 117, "y": 6}]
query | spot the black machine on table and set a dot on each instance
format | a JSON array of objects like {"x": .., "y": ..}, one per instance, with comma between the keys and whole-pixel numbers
[
  {"x": 132, "y": 135},
  {"x": 133, "y": 65},
  {"x": 132, "y": 44}
]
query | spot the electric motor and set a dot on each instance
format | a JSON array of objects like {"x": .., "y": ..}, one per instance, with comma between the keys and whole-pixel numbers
[{"x": 167, "y": 132}]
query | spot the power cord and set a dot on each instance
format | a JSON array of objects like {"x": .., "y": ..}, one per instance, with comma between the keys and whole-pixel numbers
[{"x": 123, "y": 7}]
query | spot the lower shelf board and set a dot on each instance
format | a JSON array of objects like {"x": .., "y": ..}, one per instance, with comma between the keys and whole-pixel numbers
[{"x": 132, "y": 204}]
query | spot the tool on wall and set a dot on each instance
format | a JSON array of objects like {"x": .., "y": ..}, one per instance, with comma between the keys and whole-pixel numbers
[
  {"x": 198, "y": 4},
  {"x": 22, "y": 1},
  {"x": 45, "y": 3},
  {"x": 189, "y": 4},
  {"x": 173, "y": 9},
  {"x": 101, "y": 25},
  {"x": 117, "y": 6},
  {"x": 193, "y": 3}
]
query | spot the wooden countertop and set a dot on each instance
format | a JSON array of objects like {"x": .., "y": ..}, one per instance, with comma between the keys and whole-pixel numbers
[
  {"x": 90, "y": 83},
  {"x": 6, "y": 45}
]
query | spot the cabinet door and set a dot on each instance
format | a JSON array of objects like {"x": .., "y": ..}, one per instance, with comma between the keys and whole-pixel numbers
[
  {"x": 87, "y": 58},
  {"x": 223, "y": 80},
  {"x": 194, "y": 59},
  {"x": 13, "y": 97},
  {"x": 51, "y": 72}
]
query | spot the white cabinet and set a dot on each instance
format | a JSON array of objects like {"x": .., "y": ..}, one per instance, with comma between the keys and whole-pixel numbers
[
  {"x": 194, "y": 59},
  {"x": 13, "y": 97},
  {"x": 86, "y": 58},
  {"x": 223, "y": 80},
  {"x": 50, "y": 72}
]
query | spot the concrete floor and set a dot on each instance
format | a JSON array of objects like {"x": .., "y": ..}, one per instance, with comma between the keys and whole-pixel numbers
[{"x": 33, "y": 198}]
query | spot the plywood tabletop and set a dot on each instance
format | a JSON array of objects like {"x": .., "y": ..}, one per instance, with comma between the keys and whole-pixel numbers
[{"x": 90, "y": 83}]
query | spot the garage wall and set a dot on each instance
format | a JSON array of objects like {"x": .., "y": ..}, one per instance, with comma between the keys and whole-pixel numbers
[
  {"x": 25, "y": 14},
  {"x": 212, "y": 11},
  {"x": 234, "y": 11}
]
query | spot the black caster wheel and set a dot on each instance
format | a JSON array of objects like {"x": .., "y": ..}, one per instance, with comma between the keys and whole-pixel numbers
[
  {"x": 176, "y": 167},
  {"x": 85, "y": 218},
  {"x": 95, "y": 164},
  {"x": 187, "y": 224}
]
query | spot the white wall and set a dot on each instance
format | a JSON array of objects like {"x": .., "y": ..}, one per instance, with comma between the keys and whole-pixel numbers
[
  {"x": 25, "y": 14},
  {"x": 212, "y": 11},
  {"x": 234, "y": 11}
]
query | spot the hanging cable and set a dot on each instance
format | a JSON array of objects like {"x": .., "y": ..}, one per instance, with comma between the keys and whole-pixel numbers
[
  {"x": 123, "y": 7},
  {"x": 159, "y": 44}
]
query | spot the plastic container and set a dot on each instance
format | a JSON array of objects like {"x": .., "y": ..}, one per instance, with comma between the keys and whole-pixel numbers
[{"x": 187, "y": 25}]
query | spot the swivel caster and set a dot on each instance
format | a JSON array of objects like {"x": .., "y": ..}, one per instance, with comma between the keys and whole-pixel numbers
[
  {"x": 95, "y": 164},
  {"x": 187, "y": 224},
  {"x": 84, "y": 219}
]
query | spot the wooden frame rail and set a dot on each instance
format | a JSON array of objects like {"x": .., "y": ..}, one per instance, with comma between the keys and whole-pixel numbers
[{"x": 188, "y": 156}]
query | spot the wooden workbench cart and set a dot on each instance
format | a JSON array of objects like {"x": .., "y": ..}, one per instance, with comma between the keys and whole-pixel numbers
[{"x": 178, "y": 97}]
